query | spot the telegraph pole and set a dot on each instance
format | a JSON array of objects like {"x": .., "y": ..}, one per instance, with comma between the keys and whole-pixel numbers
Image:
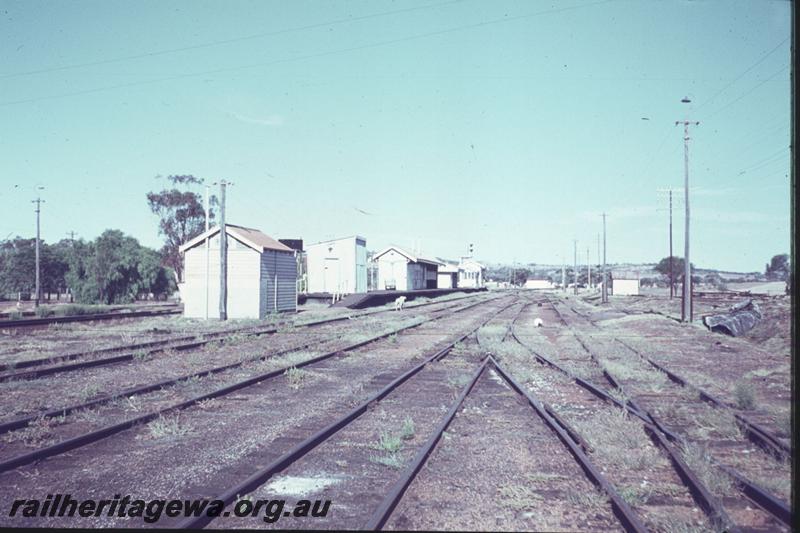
[
  {"x": 686, "y": 310},
  {"x": 605, "y": 277},
  {"x": 71, "y": 236},
  {"x": 588, "y": 268},
  {"x": 38, "y": 203},
  {"x": 575, "y": 266},
  {"x": 670, "y": 258},
  {"x": 671, "y": 274},
  {"x": 208, "y": 248},
  {"x": 223, "y": 255}
]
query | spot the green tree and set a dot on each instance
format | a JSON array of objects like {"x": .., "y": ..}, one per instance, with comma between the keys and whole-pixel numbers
[
  {"x": 181, "y": 216},
  {"x": 778, "y": 268},
  {"x": 521, "y": 276},
  {"x": 17, "y": 267},
  {"x": 55, "y": 265},
  {"x": 678, "y": 266}
]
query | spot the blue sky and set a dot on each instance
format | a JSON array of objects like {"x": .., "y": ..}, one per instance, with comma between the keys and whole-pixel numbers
[{"x": 508, "y": 124}]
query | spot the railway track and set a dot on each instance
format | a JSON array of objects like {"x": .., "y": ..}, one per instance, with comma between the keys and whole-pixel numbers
[
  {"x": 414, "y": 391},
  {"x": 128, "y": 352},
  {"x": 620, "y": 445},
  {"x": 46, "y": 321},
  {"x": 764, "y": 499},
  {"x": 94, "y": 436}
]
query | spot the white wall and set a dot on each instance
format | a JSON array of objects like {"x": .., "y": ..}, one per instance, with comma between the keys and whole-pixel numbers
[
  {"x": 337, "y": 266},
  {"x": 470, "y": 275},
  {"x": 393, "y": 267},
  {"x": 244, "y": 270},
  {"x": 538, "y": 284},
  {"x": 625, "y": 287},
  {"x": 445, "y": 280}
]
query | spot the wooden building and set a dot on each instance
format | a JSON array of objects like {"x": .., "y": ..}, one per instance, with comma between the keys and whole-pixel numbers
[
  {"x": 404, "y": 271},
  {"x": 447, "y": 276},
  {"x": 261, "y": 279},
  {"x": 338, "y": 266},
  {"x": 471, "y": 274}
]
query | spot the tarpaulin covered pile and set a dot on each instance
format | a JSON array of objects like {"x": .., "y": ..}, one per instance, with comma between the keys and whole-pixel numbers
[{"x": 739, "y": 320}]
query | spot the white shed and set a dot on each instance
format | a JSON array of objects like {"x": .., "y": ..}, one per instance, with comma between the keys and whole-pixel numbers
[
  {"x": 624, "y": 283},
  {"x": 625, "y": 287},
  {"x": 538, "y": 284},
  {"x": 337, "y": 266},
  {"x": 471, "y": 274},
  {"x": 403, "y": 271},
  {"x": 262, "y": 275},
  {"x": 447, "y": 276}
]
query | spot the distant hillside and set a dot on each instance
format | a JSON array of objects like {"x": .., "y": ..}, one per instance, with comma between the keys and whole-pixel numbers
[{"x": 504, "y": 271}]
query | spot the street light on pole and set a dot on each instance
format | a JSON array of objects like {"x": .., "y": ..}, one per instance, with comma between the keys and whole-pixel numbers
[{"x": 686, "y": 310}]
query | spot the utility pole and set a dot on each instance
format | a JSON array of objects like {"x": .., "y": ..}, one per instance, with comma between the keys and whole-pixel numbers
[
  {"x": 598, "y": 248},
  {"x": 38, "y": 203},
  {"x": 208, "y": 248},
  {"x": 223, "y": 255},
  {"x": 71, "y": 236},
  {"x": 671, "y": 253},
  {"x": 563, "y": 276},
  {"x": 671, "y": 274},
  {"x": 605, "y": 277},
  {"x": 686, "y": 310},
  {"x": 575, "y": 266},
  {"x": 588, "y": 269}
]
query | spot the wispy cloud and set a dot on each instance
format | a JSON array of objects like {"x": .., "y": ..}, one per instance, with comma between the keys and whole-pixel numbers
[{"x": 270, "y": 120}]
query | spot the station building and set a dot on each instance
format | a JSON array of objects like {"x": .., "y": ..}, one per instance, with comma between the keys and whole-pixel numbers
[
  {"x": 337, "y": 266},
  {"x": 401, "y": 270}
]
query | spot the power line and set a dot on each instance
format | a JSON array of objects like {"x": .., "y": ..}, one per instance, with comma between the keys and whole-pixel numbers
[
  {"x": 726, "y": 106},
  {"x": 305, "y": 57},
  {"x": 223, "y": 41},
  {"x": 776, "y": 156},
  {"x": 740, "y": 76}
]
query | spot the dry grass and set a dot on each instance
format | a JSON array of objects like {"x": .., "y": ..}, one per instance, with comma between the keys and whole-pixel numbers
[
  {"x": 168, "y": 427},
  {"x": 699, "y": 460},
  {"x": 745, "y": 395},
  {"x": 617, "y": 440},
  {"x": 38, "y": 432}
]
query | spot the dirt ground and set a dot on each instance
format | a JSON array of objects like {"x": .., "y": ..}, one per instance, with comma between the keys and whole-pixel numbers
[{"x": 498, "y": 467}]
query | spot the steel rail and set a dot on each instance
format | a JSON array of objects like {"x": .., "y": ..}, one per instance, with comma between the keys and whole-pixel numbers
[
  {"x": 755, "y": 492},
  {"x": 28, "y": 322},
  {"x": 623, "y": 512},
  {"x": 757, "y": 433},
  {"x": 395, "y": 494},
  {"x": 62, "y": 411},
  {"x": 563, "y": 423},
  {"x": 708, "y": 502},
  {"x": 272, "y": 328},
  {"x": 263, "y": 474},
  {"x": 158, "y": 346},
  {"x": 94, "y": 436},
  {"x": 754, "y": 431}
]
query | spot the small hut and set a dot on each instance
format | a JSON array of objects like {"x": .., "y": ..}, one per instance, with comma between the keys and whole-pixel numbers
[{"x": 261, "y": 279}]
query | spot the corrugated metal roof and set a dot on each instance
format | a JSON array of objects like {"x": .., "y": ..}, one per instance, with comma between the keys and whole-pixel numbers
[
  {"x": 250, "y": 236},
  {"x": 412, "y": 257}
]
